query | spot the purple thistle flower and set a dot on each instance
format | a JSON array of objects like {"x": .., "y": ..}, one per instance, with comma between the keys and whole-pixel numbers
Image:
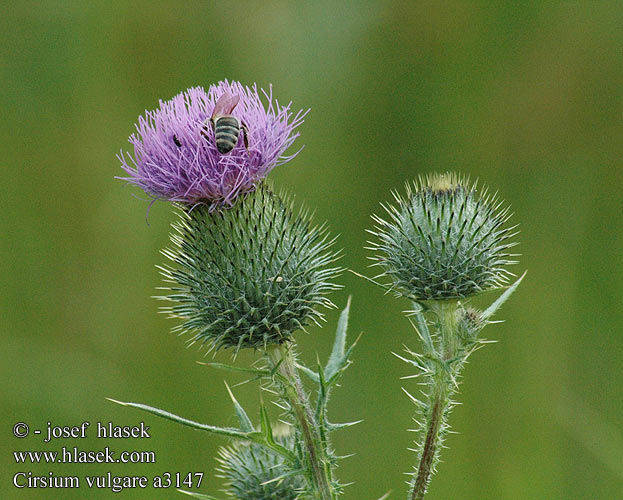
[{"x": 175, "y": 154}]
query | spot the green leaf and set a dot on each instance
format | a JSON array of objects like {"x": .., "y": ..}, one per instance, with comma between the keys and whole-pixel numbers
[
  {"x": 339, "y": 358},
  {"x": 264, "y": 437},
  {"x": 245, "y": 422},
  {"x": 267, "y": 430},
  {"x": 323, "y": 396},
  {"x": 267, "y": 436},
  {"x": 223, "y": 431},
  {"x": 310, "y": 373},
  {"x": 336, "y": 359},
  {"x": 492, "y": 309},
  {"x": 345, "y": 362}
]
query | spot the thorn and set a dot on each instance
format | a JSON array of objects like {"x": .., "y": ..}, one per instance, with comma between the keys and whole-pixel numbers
[
  {"x": 415, "y": 401},
  {"x": 118, "y": 402},
  {"x": 385, "y": 496},
  {"x": 231, "y": 394}
]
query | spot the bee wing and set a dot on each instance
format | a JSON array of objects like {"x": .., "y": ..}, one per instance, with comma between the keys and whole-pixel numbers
[{"x": 225, "y": 104}]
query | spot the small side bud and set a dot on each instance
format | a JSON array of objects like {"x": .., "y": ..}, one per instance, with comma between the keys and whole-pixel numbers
[{"x": 470, "y": 323}]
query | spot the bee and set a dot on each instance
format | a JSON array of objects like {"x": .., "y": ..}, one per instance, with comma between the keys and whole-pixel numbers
[{"x": 226, "y": 128}]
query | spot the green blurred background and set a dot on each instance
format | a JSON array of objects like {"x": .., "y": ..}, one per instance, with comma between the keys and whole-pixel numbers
[{"x": 526, "y": 96}]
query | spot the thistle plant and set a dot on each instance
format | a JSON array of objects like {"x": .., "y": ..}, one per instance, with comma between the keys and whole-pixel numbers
[
  {"x": 440, "y": 245},
  {"x": 245, "y": 270}
]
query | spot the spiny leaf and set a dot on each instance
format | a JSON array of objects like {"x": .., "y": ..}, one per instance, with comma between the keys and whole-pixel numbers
[
  {"x": 265, "y": 425},
  {"x": 243, "y": 418},
  {"x": 352, "y": 346},
  {"x": 223, "y": 431},
  {"x": 336, "y": 359},
  {"x": 491, "y": 310},
  {"x": 323, "y": 397},
  {"x": 310, "y": 373},
  {"x": 255, "y": 436},
  {"x": 268, "y": 439}
]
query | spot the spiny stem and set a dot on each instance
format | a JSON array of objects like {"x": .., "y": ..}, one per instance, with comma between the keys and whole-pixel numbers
[
  {"x": 320, "y": 468},
  {"x": 428, "y": 452},
  {"x": 441, "y": 387}
]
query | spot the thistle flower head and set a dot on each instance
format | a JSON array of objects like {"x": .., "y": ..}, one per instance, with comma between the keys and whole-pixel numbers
[
  {"x": 444, "y": 240},
  {"x": 175, "y": 154},
  {"x": 248, "y": 276},
  {"x": 253, "y": 472}
]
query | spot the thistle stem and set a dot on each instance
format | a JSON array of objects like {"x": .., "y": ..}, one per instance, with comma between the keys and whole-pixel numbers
[
  {"x": 429, "y": 450},
  {"x": 442, "y": 383},
  {"x": 319, "y": 466}
]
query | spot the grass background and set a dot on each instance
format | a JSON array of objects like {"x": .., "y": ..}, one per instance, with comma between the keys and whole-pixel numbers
[{"x": 526, "y": 96}]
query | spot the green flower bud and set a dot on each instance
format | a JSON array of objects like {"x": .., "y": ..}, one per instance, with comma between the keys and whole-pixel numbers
[
  {"x": 253, "y": 472},
  {"x": 443, "y": 240},
  {"x": 470, "y": 322},
  {"x": 248, "y": 276}
]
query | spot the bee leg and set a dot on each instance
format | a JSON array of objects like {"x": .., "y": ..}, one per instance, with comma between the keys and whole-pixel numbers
[
  {"x": 205, "y": 131},
  {"x": 245, "y": 136}
]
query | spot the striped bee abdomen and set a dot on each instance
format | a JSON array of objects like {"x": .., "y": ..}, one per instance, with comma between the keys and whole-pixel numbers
[{"x": 226, "y": 132}]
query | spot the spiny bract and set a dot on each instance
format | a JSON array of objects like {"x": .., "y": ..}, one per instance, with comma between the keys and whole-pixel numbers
[
  {"x": 444, "y": 240},
  {"x": 253, "y": 472},
  {"x": 248, "y": 276}
]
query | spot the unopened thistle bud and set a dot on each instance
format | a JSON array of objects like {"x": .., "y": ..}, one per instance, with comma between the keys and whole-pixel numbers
[
  {"x": 250, "y": 275},
  {"x": 444, "y": 240},
  {"x": 469, "y": 323},
  {"x": 253, "y": 472}
]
